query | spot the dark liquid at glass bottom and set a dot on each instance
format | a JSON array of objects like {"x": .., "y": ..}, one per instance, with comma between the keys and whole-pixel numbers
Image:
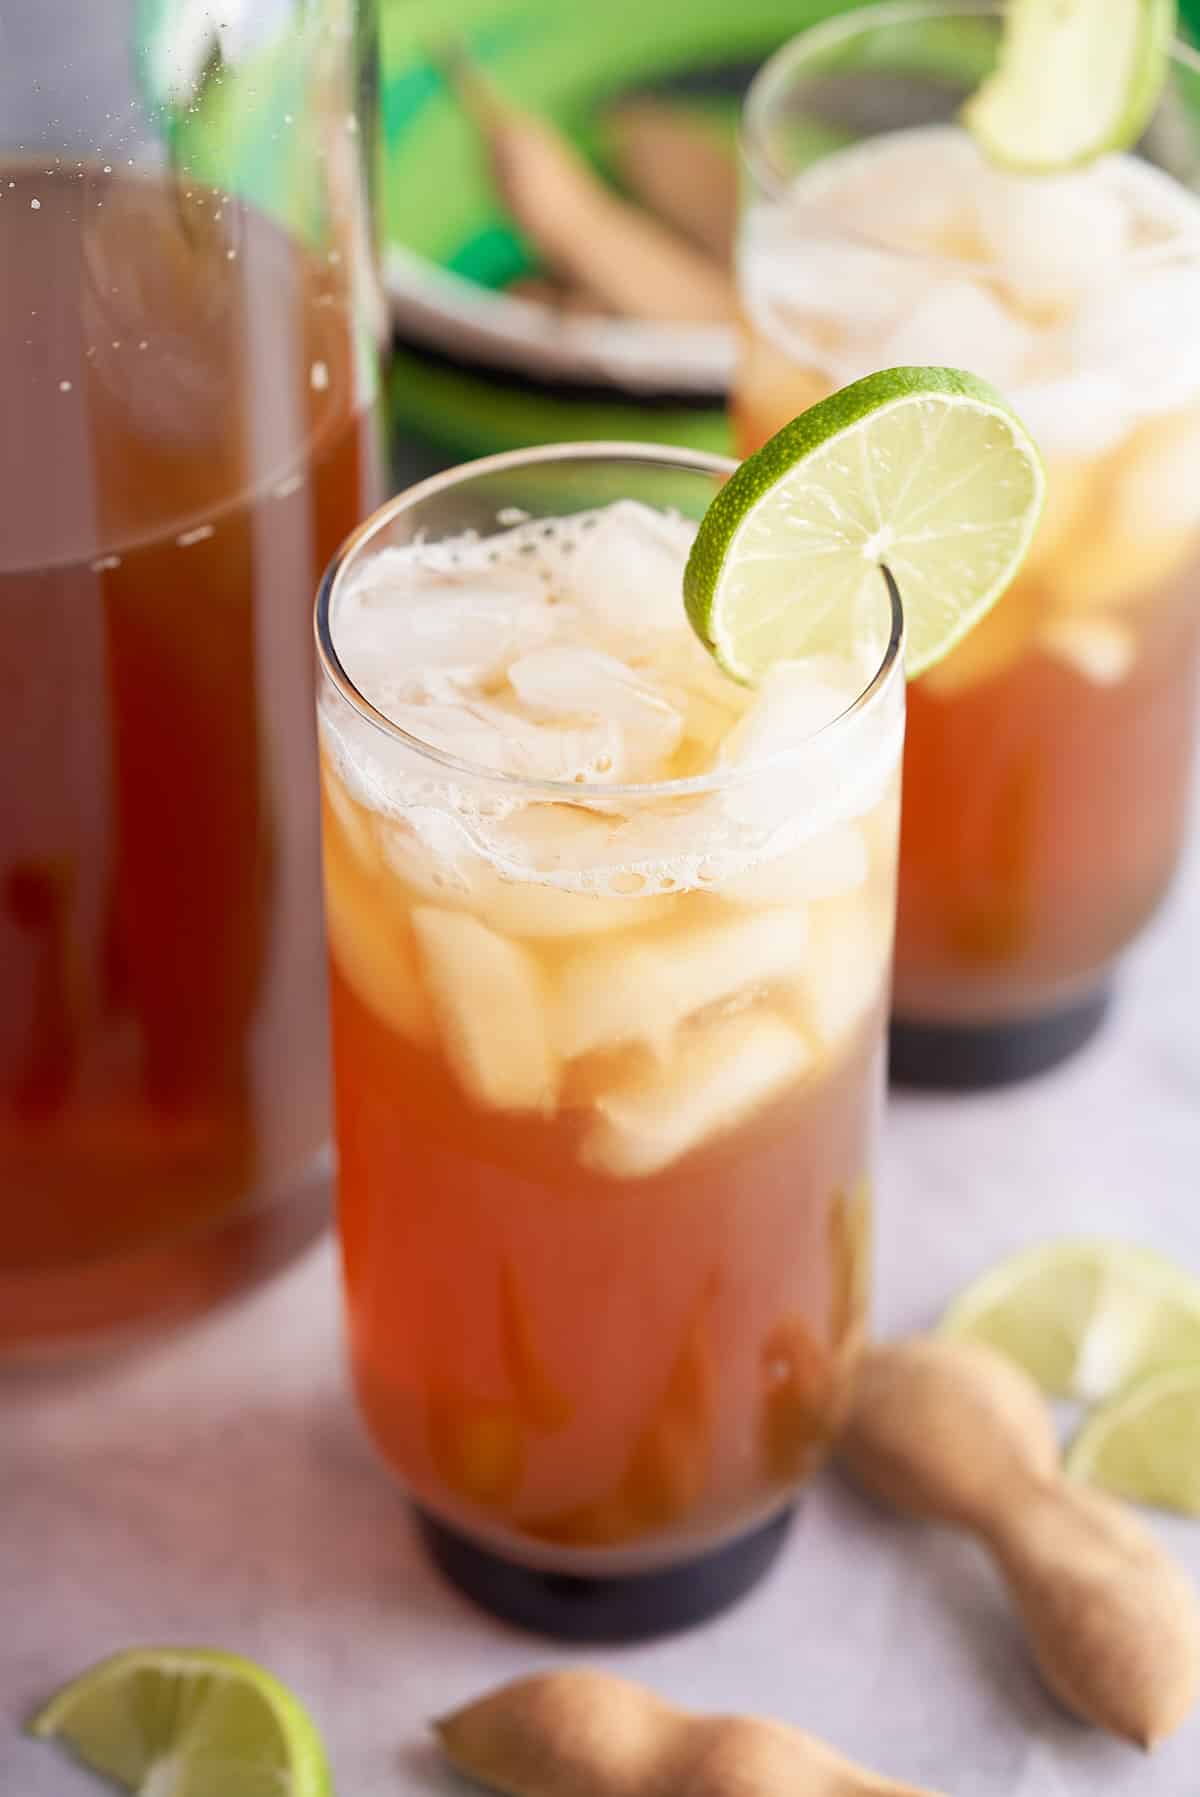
[
  {"x": 964, "y": 1057},
  {"x": 635, "y": 1607}
]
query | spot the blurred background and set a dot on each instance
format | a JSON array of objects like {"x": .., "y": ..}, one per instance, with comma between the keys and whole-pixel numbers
[{"x": 558, "y": 188}]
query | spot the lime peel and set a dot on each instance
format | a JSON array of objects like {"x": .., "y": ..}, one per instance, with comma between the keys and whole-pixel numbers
[
  {"x": 1145, "y": 1445},
  {"x": 1085, "y": 1317},
  {"x": 182, "y": 1721},
  {"x": 924, "y": 470},
  {"x": 1076, "y": 80}
]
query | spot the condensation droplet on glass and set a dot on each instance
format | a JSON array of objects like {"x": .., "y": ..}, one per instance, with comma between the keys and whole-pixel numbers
[
  {"x": 35, "y": 205},
  {"x": 318, "y": 377},
  {"x": 64, "y": 386},
  {"x": 144, "y": 344},
  {"x": 231, "y": 255},
  {"x": 108, "y": 168}
]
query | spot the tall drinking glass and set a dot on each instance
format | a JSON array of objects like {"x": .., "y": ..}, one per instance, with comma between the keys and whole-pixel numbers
[
  {"x": 186, "y": 330},
  {"x": 1048, "y": 759},
  {"x": 610, "y": 941}
]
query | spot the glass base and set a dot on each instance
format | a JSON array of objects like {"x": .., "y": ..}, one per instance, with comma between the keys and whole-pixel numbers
[
  {"x": 105, "y": 1306},
  {"x": 966, "y": 1057},
  {"x": 632, "y": 1607}
]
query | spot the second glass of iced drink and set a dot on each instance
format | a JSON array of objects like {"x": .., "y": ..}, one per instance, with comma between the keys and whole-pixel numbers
[
  {"x": 610, "y": 941},
  {"x": 1048, "y": 759}
]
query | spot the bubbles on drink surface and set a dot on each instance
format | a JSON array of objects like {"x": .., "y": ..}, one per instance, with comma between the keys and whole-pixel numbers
[{"x": 558, "y": 652}]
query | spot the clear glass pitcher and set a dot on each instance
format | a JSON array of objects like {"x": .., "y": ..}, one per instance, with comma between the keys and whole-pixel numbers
[{"x": 189, "y": 326}]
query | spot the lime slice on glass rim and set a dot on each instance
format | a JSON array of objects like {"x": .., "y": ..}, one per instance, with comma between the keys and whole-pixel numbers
[
  {"x": 1084, "y": 1318},
  {"x": 188, "y": 1722},
  {"x": 924, "y": 472},
  {"x": 1145, "y": 1445},
  {"x": 1075, "y": 79}
]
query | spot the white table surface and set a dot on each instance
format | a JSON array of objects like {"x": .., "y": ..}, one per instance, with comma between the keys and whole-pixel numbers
[{"x": 219, "y": 1489}]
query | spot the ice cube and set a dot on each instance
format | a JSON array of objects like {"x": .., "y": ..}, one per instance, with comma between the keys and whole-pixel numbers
[
  {"x": 560, "y": 871},
  {"x": 1146, "y": 532},
  {"x": 1071, "y": 489},
  {"x": 532, "y": 873},
  {"x": 589, "y": 906},
  {"x": 817, "y": 293},
  {"x": 490, "y": 735},
  {"x": 431, "y": 851},
  {"x": 524, "y": 908},
  {"x": 403, "y": 622},
  {"x": 721, "y": 1075},
  {"x": 1163, "y": 211},
  {"x": 912, "y": 190},
  {"x": 825, "y": 866},
  {"x": 961, "y": 324},
  {"x": 847, "y": 967},
  {"x": 1136, "y": 330},
  {"x": 586, "y": 754},
  {"x": 1080, "y": 414},
  {"x": 683, "y": 669},
  {"x": 451, "y": 726},
  {"x": 641, "y": 989},
  {"x": 794, "y": 700},
  {"x": 794, "y": 703},
  {"x": 1116, "y": 566},
  {"x": 352, "y": 821},
  {"x": 561, "y": 683},
  {"x": 489, "y": 1002},
  {"x": 1099, "y": 649},
  {"x": 371, "y": 946},
  {"x": 626, "y": 572},
  {"x": 1158, "y": 485},
  {"x": 1056, "y": 238}
]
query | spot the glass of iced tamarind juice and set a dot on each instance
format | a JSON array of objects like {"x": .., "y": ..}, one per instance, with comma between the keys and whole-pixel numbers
[
  {"x": 610, "y": 937},
  {"x": 1048, "y": 760}
]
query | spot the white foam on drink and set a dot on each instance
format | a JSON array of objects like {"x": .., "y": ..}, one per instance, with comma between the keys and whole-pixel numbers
[
  {"x": 558, "y": 651},
  {"x": 1078, "y": 295}
]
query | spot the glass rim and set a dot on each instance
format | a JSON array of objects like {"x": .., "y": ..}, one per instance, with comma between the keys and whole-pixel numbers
[
  {"x": 678, "y": 460},
  {"x": 776, "y": 73}
]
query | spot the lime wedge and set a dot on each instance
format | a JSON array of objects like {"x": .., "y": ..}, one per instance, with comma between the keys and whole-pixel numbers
[
  {"x": 1076, "y": 78},
  {"x": 1084, "y": 1318},
  {"x": 923, "y": 470},
  {"x": 188, "y": 1722},
  {"x": 1145, "y": 1446}
]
